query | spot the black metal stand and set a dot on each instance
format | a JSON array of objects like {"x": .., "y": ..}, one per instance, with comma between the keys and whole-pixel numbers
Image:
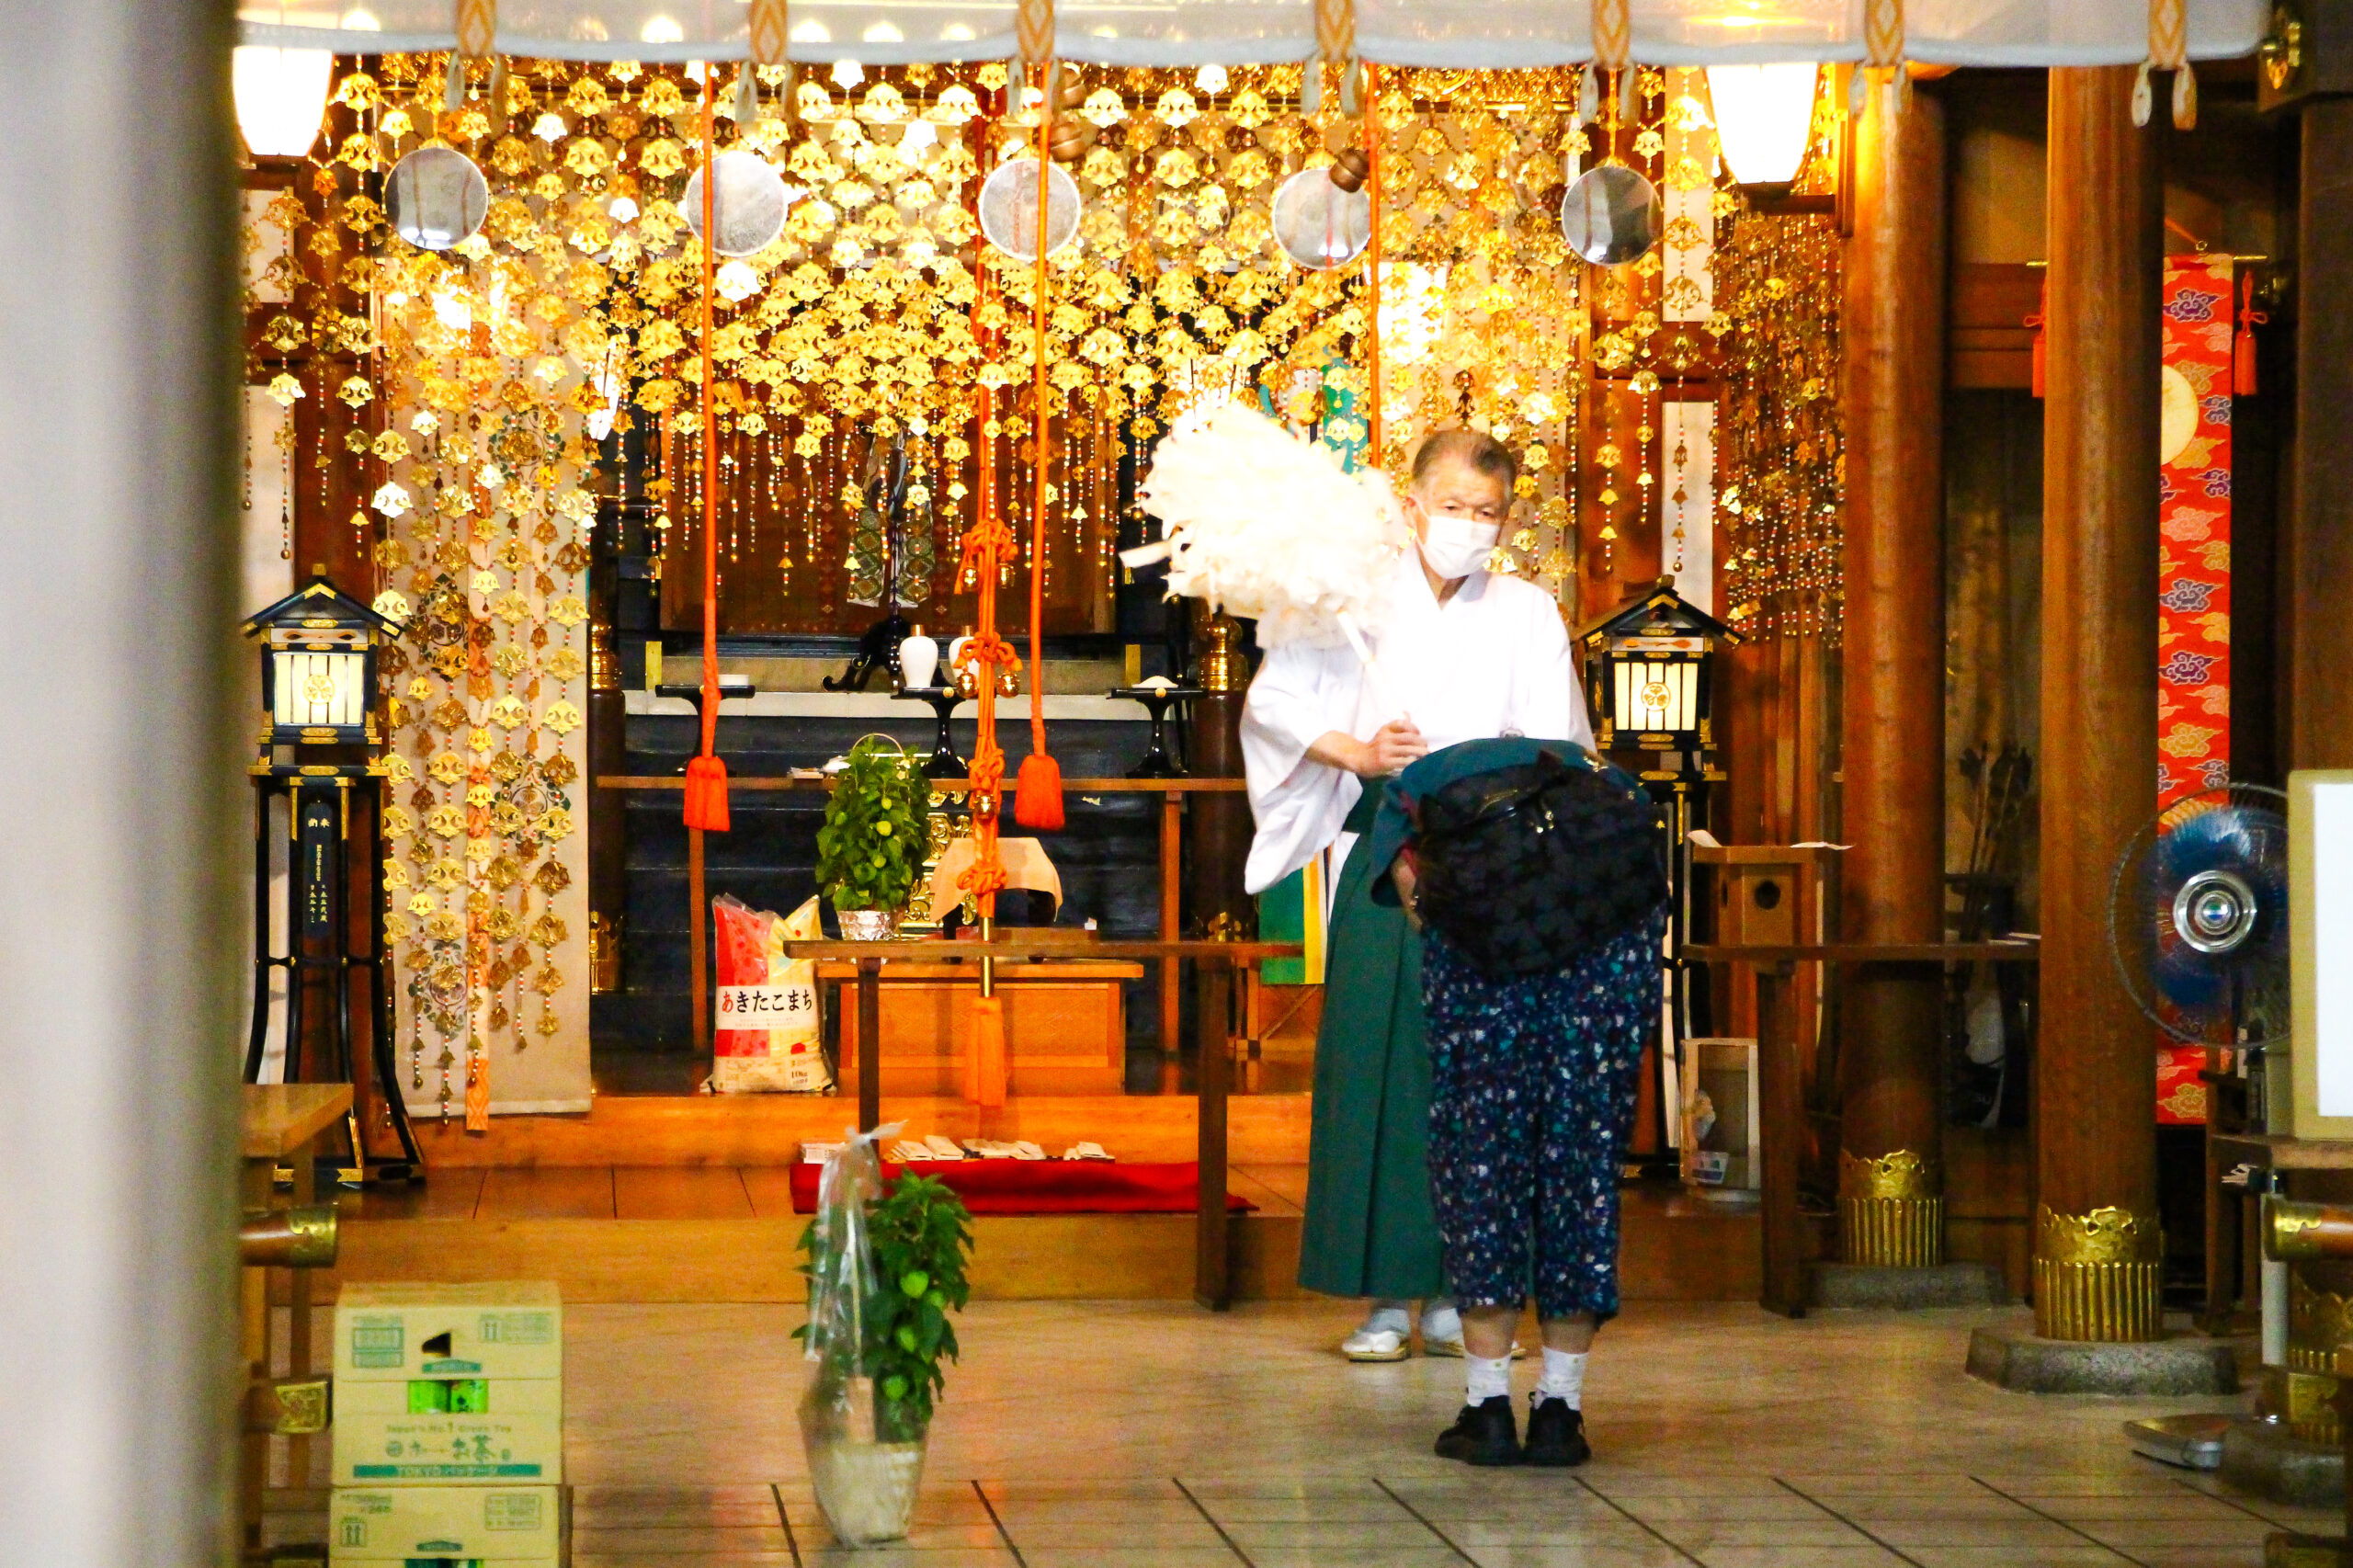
[
  {"x": 878, "y": 650},
  {"x": 943, "y": 763},
  {"x": 1681, "y": 797},
  {"x": 318, "y": 945},
  {"x": 1158, "y": 699}
]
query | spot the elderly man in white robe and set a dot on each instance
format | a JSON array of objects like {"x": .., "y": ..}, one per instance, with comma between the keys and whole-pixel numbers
[{"x": 1466, "y": 654}]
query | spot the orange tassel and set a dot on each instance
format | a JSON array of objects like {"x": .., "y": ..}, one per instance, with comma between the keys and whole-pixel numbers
[
  {"x": 985, "y": 1062},
  {"x": 707, "y": 794},
  {"x": 2243, "y": 341},
  {"x": 477, "y": 1094},
  {"x": 1038, "y": 794}
]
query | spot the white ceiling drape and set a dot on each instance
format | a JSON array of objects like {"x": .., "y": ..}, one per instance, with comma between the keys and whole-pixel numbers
[{"x": 1480, "y": 34}]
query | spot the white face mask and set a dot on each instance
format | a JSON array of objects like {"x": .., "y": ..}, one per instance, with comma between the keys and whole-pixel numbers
[{"x": 1456, "y": 547}]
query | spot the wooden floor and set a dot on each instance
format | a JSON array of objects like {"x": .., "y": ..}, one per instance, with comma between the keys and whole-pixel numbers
[{"x": 728, "y": 1233}]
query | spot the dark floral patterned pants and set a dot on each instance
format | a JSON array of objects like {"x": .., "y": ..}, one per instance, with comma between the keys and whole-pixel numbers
[{"x": 1532, "y": 1096}]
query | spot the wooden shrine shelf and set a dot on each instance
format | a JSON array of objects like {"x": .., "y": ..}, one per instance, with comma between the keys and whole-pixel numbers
[
  {"x": 1866, "y": 952},
  {"x": 2284, "y": 1154},
  {"x": 946, "y": 785}
]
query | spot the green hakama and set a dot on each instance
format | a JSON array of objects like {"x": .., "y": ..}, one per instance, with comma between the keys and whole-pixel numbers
[{"x": 1370, "y": 1229}]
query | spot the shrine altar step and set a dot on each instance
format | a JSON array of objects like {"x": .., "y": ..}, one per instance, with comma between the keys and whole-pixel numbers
[
  {"x": 689, "y": 1198},
  {"x": 769, "y": 1130}
]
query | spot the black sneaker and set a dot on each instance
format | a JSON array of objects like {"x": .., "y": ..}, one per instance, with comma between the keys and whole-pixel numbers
[
  {"x": 1556, "y": 1435},
  {"x": 1482, "y": 1434}
]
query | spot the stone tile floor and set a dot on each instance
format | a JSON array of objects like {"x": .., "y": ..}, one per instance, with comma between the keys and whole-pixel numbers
[{"x": 1150, "y": 1435}]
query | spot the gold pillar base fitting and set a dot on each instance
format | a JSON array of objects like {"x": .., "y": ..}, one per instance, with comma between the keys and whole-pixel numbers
[
  {"x": 2095, "y": 1275},
  {"x": 2303, "y": 1392},
  {"x": 1890, "y": 1214}
]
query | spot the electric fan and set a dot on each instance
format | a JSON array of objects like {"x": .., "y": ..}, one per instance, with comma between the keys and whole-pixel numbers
[{"x": 2198, "y": 917}]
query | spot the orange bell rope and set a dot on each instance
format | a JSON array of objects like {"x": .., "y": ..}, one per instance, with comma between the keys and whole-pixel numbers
[
  {"x": 985, "y": 551},
  {"x": 1038, "y": 795},
  {"x": 706, "y": 801},
  {"x": 1372, "y": 268}
]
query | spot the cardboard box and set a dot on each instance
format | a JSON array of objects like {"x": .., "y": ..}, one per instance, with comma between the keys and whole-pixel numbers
[
  {"x": 491, "y": 1525},
  {"x": 505, "y": 1431},
  {"x": 396, "y": 1334}
]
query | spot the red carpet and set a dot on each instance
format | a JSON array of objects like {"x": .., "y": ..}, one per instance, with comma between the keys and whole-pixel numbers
[{"x": 1049, "y": 1186}]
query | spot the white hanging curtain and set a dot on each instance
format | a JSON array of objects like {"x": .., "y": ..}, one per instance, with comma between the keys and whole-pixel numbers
[{"x": 1477, "y": 34}]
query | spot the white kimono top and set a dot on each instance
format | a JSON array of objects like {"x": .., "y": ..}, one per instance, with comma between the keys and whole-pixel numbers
[{"x": 1494, "y": 660}]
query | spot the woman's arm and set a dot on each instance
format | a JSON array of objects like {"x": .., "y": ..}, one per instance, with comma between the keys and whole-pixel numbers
[{"x": 1392, "y": 746}]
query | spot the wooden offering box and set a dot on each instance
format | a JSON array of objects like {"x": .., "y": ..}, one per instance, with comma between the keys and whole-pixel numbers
[
  {"x": 1065, "y": 1027},
  {"x": 1764, "y": 894}
]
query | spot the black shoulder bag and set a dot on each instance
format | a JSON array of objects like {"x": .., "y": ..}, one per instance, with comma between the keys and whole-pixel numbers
[{"x": 1526, "y": 867}]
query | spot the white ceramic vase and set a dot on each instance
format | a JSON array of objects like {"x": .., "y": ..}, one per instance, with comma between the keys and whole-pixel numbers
[{"x": 918, "y": 662}]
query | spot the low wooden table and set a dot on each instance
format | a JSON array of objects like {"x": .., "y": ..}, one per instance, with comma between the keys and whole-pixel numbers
[
  {"x": 1213, "y": 965},
  {"x": 1780, "y": 1100},
  {"x": 278, "y": 1122}
]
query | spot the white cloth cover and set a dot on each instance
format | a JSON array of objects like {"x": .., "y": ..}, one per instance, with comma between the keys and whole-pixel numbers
[
  {"x": 1492, "y": 660},
  {"x": 1476, "y": 34}
]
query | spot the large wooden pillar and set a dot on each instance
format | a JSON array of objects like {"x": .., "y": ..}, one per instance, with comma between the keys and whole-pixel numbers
[
  {"x": 2097, "y": 1247},
  {"x": 121, "y": 786},
  {"x": 1891, "y": 1204},
  {"x": 2320, "y": 544}
]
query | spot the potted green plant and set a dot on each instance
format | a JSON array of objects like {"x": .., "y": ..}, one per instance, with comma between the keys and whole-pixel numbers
[
  {"x": 881, "y": 1287},
  {"x": 871, "y": 848}
]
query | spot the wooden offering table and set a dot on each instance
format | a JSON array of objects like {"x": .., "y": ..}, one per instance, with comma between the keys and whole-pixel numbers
[
  {"x": 1214, "y": 967},
  {"x": 1780, "y": 1090}
]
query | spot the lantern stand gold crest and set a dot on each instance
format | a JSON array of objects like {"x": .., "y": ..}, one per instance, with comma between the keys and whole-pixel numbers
[{"x": 320, "y": 747}]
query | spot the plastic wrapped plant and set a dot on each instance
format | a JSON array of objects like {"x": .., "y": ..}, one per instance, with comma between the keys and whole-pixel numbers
[{"x": 885, "y": 1273}]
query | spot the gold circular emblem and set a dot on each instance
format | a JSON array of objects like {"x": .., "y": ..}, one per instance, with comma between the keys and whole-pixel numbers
[{"x": 1655, "y": 695}]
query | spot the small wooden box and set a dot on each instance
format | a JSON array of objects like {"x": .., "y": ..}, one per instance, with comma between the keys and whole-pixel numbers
[
  {"x": 1766, "y": 895},
  {"x": 1065, "y": 1027}
]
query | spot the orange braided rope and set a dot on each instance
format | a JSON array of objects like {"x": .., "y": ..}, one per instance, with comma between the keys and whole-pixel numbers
[
  {"x": 985, "y": 549},
  {"x": 1037, "y": 801},
  {"x": 706, "y": 794}
]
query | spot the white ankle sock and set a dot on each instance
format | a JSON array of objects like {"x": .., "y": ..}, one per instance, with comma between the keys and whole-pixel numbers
[
  {"x": 1487, "y": 1379},
  {"x": 1563, "y": 1376},
  {"x": 1397, "y": 1317}
]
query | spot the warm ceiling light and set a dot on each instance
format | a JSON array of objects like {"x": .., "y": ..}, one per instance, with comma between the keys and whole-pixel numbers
[
  {"x": 1763, "y": 119},
  {"x": 282, "y": 97}
]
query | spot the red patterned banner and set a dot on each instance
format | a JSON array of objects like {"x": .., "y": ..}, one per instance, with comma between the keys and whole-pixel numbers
[{"x": 2193, "y": 576}]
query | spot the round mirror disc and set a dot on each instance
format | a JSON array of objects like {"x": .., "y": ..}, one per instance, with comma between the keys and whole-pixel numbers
[
  {"x": 1610, "y": 215},
  {"x": 436, "y": 197}
]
